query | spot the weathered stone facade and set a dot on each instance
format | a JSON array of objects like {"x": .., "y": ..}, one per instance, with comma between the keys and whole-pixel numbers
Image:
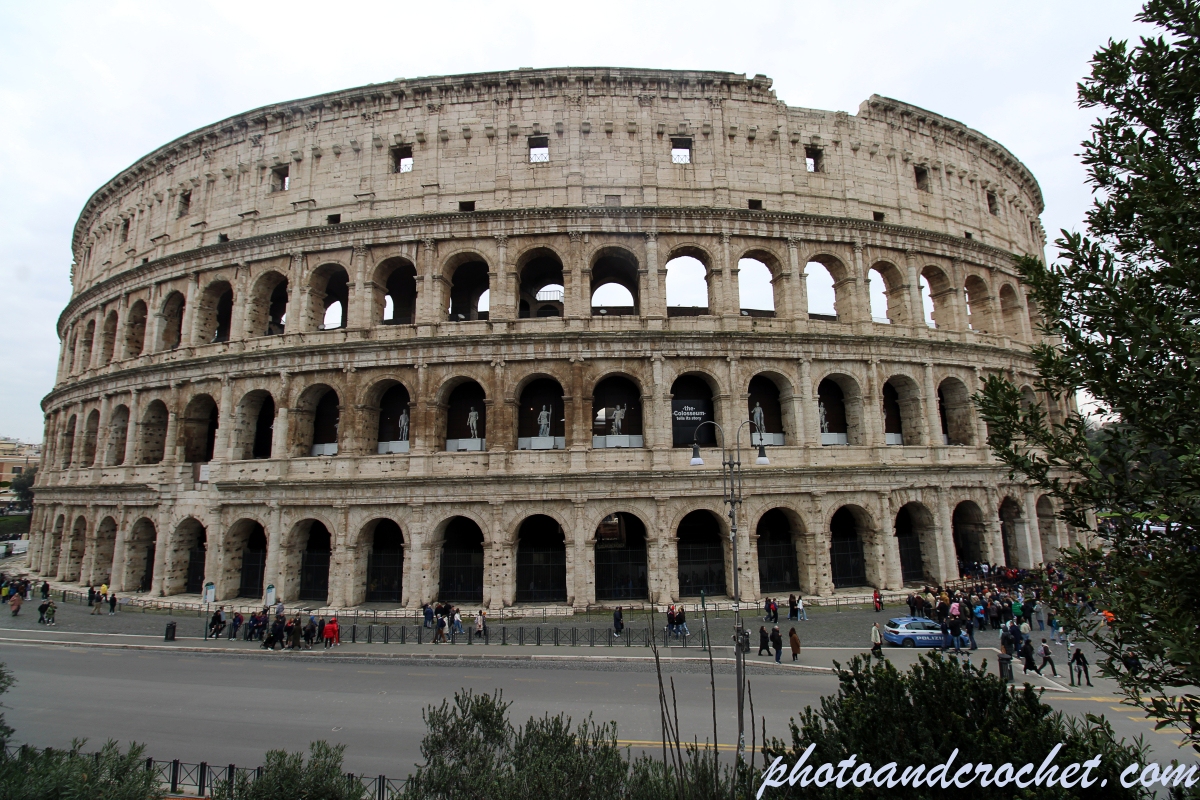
[{"x": 210, "y": 422}]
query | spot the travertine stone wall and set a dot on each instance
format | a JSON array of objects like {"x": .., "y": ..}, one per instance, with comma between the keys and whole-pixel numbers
[{"x": 194, "y": 392}]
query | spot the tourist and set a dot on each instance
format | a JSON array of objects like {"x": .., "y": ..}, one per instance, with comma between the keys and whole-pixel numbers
[
  {"x": 1079, "y": 668},
  {"x": 112, "y": 603},
  {"x": 427, "y": 611},
  {"x": 310, "y": 632},
  {"x": 458, "y": 628},
  {"x": 1047, "y": 658},
  {"x": 956, "y": 633},
  {"x": 791, "y": 607},
  {"x": 671, "y": 620},
  {"x": 794, "y": 641},
  {"x": 331, "y": 633},
  {"x": 321, "y": 629},
  {"x": 774, "y": 612},
  {"x": 440, "y": 636},
  {"x": 98, "y": 606},
  {"x": 51, "y": 610},
  {"x": 618, "y": 622},
  {"x": 237, "y": 624},
  {"x": 878, "y": 599},
  {"x": 1027, "y": 654},
  {"x": 45, "y": 590},
  {"x": 970, "y": 628},
  {"x": 681, "y": 627},
  {"x": 776, "y": 643},
  {"x": 15, "y": 603},
  {"x": 42, "y": 611},
  {"x": 876, "y": 642},
  {"x": 764, "y": 640},
  {"x": 295, "y": 634},
  {"x": 801, "y": 614},
  {"x": 481, "y": 624},
  {"x": 766, "y": 609}
]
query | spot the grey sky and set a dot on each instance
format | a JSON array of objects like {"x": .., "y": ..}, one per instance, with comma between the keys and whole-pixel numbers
[{"x": 88, "y": 87}]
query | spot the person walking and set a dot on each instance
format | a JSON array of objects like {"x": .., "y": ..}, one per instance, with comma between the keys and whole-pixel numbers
[
  {"x": 764, "y": 640},
  {"x": 878, "y": 599},
  {"x": 1047, "y": 658},
  {"x": 479, "y": 624},
  {"x": 331, "y": 632},
  {"x": 777, "y": 643},
  {"x": 791, "y": 607},
  {"x": 98, "y": 605},
  {"x": 1080, "y": 664},
  {"x": 681, "y": 621},
  {"x": 794, "y": 641},
  {"x": 428, "y": 612},
  {"x": 440, "y": 636},
  {"x": 956, "y": 633},
  {"x": 671, "y": 620},
  {"x": 458, "y": 628},
  {"x": 766, "y": 609},
  {"x": 970, "y": 626},
  {"x": 876, "y": 642},
  {"x": 51, "y": 610},
  {"x": 112, "y": 603},
  {"x": 45, "y": 590},
  {"x": 618, "y": 622},
  {"x": 15, "y": 603},
  {"x": 1027, "y": 654},
  {"x": 800, "y": 612},
  {"x": 42, "y": 611}
]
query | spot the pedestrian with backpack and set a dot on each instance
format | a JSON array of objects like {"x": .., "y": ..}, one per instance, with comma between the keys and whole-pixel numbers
[{"x": 1047, "y": 658}]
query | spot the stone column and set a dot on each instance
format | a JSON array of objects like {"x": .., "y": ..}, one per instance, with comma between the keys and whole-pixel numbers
[
  {"x": 171, "y": 440},
  {"x": 582, "y": 578},
  {"x": 427, "y": 289},
  {"x": 889, "y": 545},
  {"x": 916, "y": 315},
  {"x": 663, "y": 572},
  {"x": 225, "y": 424},
  {"x": 956, "y": 299},
  {"x": 273, "y": 573},
  {"x": 723, "y": 300},
  {"x": 1036, "y": 556},
  {"x": 297, "y": 307},
  {"x": 872, "y": 408},
  {"x": 241, "y": 303},
  {"x": 361, "y": 296},
  {"x": 162, "y": 551},
  {"x": 502, "y": 279},
  {"x": 420, "y": 439},
  {"x": 280, "y": 434},
  {"x": 859, "y": 290},
  {"x": 576, "y": 294},
  {"x": 993, "y": 543},
  {"x": 654, "y": 305},
  {"x": 795, "y": 290},
  {"x": 947, "y": 553},
  {"x": 189, "y": 333},
  {"x": 102, "y": 431}
]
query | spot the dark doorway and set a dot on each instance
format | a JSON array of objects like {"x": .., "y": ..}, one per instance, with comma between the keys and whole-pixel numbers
[
  {"x": 385, "y": 563},
  {"x": 777, "y": 567},
  {"x": 701, "y": 556},
  {"x": 195, "y": 570},
  {"x": 148, "y": 570},
  {"x": 911, "y": 566},
  {"x": 264, "y": 427},
  {"x": 254, "y": 563},
  {"x": 462, "y": 563},
  {"x": 541, "y": 561},
  {"x": 314, "y": 564},
  {"x": 621, "y": 572},
  {"x": 848, "y": 567}
]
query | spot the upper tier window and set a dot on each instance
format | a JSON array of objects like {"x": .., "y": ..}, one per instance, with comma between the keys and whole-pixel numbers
[{"x": 539, "y": 149}]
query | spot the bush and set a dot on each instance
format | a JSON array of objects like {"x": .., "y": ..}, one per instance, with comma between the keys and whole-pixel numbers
[
  {"x": 287, "y": 777},
  {"x": 52, "y": 774}
]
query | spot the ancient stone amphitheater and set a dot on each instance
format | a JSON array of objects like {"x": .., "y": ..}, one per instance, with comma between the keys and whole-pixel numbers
[{"x": 425, "y": 340}]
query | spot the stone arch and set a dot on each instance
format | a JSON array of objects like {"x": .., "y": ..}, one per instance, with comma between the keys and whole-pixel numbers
[
  {"x": 979, "y": 305},
  {"x": 387, "y": 417},
  {"x": 108, "y": 338},
  {"x": 378, "y": 576},
  {"x": 68, "y": 441},
  {"x": 99, "y": 558},
  {"x": 915, "y": 530},
  {"x": 889, "y": 294},
  {"x": 118, "y": 436},
  {"x": 1012, "y": 527},
  {"x": 541, "y": 561},
  {"x": 840, "y": 418},
  {"x": 1035, "y": 318},
  {"x": 956, "y": 412},
  {"x": 850, "y": 532},
  {"x": 903, "y": 418},
  {"x": 825, "y": 273},
  {"x": 937, "y": 295},
  {"x": 153, "y": 445},
  {"x": 540, "y": 290},
  {"x": 778, "y": 532},
  {"x": 1048, "y": 528},
  {"x": 198, "y": 429},
  {"x": 244, "y": 560},
  {"x": 682, "y": 273},
  {"x": 395, "y": 292},
  {"x": 171, "y": 335},
  {"x": 306, "y": 557},
  {"x": 91, "y": 434},
  {"x": 317, "y": 421},
  {"x": 85, "y": 347},
  {"x": 329, "y": 288},
  {"x": 466, "y": 278},
  {"x": 540, "y": 409},
  {"x": 266, "y": 311},
  {"x": 73, "y": 551},
  {"x": 136, "y": 573},
  {"x": 773, "y": 394},
  {"x": 186, "y": 558},
  {"x": 693, "y": 401},
  {"x": 135, "y": 330},
  {"x": 1010, "y": 312},
  {"x": 460, "y": 560},
  {"x": 52, "y": 549},
  {"x": 614, "y": 268},
  {"x": 254, "y": 430},
  {"x": 69, "y": 354},
  {"x": 969, "y": 533},
  {"x": 465, "y": 400},
  {"x": 621, "y": 545},
  {"x": 701, "y": 547},
  {"x": 759, "y": 291},
  {"x": 214, "y": 312},
  {"x": 617, "y": 411}
]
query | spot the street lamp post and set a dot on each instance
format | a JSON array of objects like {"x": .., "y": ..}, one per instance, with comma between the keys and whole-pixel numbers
[{"x": 731, "y": 492}]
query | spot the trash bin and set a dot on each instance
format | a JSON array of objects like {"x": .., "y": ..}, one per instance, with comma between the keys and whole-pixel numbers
[
  {"x": 1004, "y": 665},
  {"x": 170, "y": 634},
  {"x": 745, "y": 641}
]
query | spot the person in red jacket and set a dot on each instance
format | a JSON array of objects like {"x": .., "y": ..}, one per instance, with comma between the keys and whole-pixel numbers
[{"x": 331, "y": 633}]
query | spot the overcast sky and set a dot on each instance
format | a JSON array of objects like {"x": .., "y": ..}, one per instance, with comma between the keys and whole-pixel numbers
[{"x": 86, "y": 88}]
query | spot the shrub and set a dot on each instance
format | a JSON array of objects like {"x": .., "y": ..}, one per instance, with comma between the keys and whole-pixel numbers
[
  {"x": 51, "y": 774},
  {"x": 286, "y": 776}
]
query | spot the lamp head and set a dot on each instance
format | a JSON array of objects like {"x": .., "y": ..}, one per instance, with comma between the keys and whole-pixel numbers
[
  {"x": 762, "y": 460},
  {"x": 697, "y": 461}
]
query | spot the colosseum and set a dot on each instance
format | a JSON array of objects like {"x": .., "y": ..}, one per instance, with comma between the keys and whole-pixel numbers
[{"x": 455, "y": 338}]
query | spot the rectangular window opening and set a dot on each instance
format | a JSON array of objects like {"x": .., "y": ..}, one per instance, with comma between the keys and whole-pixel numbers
[
  {"x": 613, "y": 200},
  {"x": 333, "y": 219},
  {"x": 279, "y": 179},
  {"x": 466, "y": 205},
  {"x": 754, "y": 205},
  {"x": 879, "y": 215},
  {"x": 814, "y": 159},
  {"x": 185, "y": 203},
  {"x": 993, "y": 204},
  {"x": 539, "y": 149},
  {"x": 402, "y": 158},
  {"x": 125, "y": 231},
  {"x": 681, "y": 149},
  {"x": 968, "y": 235},
  {"x": 922, "y": 176},
  {"x": 222, "y": 238}
]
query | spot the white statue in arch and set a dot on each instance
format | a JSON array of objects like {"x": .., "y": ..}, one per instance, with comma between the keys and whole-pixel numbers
[
  {"x": 402, "y": 425},
  {"x": 543, "y": 420},
  {"x": 759, "y": 419},
  {"x": 617, "y": 418},
  {"x": 821, "y": 416},
  {"x": 473, "y": 422}
]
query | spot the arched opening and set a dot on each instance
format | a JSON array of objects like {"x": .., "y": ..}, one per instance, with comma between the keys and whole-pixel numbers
[
  {"x": 68, "y": 441},
  {"x": 198, "y": 429},
  {"x": 154, "y": 433},
  {"x": 70, "y": 356},
  {"x": 318, "y": 417},
  {"x": 540, "y": 293},
  {"x": 91, "y": 431},
  {"x": 53, "y": 547},
  {"x": 1010, "y": 312},
  {"x": 820, "y": 284},
  {"x": 1047, "y": 528},
  {"x": 691, "y": 405},
  {"x": 267, "y": 312},
  {"x": 396, "y": 292},
  {"x": 247, "y": 554},
  {"x": 910, "y": 519},
  {"x": 541, "y": 418},
  {"x": 118, "y": 435},
  {"x": 468, "y": 285},
  {"x": 461, "y": 579},
  {"x": 955, "y": 408},
  {"x": 393, "y": 428},
  {"x": 927, "y": 306},
  {"x": 617, "y": 413},
  {"x": 766, "y": 412},
  {"x": 688, "y": 291},
  {"x": 541, "y": 561},
  {"x": 848, "y": 565},
  {"x": 940, "y": 297},
  {"x": 902, "y": 420},
  {"x": 756, "y": 288},
  {"x": 778, "y": 567},
  {"x": 108, "y": 338},
  {"x": 172, "y": 322},
  {"x": 74, "y": 550},
  {"x": 614, "y": 289},
  {"x": 621, "y": 566},
  {"x": 314, "y": 563},
  {"x": 878, "y": 291},
  {"x": 1011, "y": 527},
  {"x": 839, "y": 411},
  {"x": 188, "y": 553},
  {"x": 330, "y": 286},
  {"x": 139, "y": 557},
  {"x": 85, "y": 347},
  {"x": 385, "y": 563},
  {"x": 888, "y": 291},
  {"x": 969, "y": 532},
  {"x": 466, "y": 418},
  {"x": 214, "y": 313},
  {"x": 103, "y": 545},
  {"x": 979, "y": 305},
  {"x": 256, "y": 430},
  {"x": 1035, "y": 318},
  {"x": 135, "y": 330},
  {"x": 701, "y": 550}
]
